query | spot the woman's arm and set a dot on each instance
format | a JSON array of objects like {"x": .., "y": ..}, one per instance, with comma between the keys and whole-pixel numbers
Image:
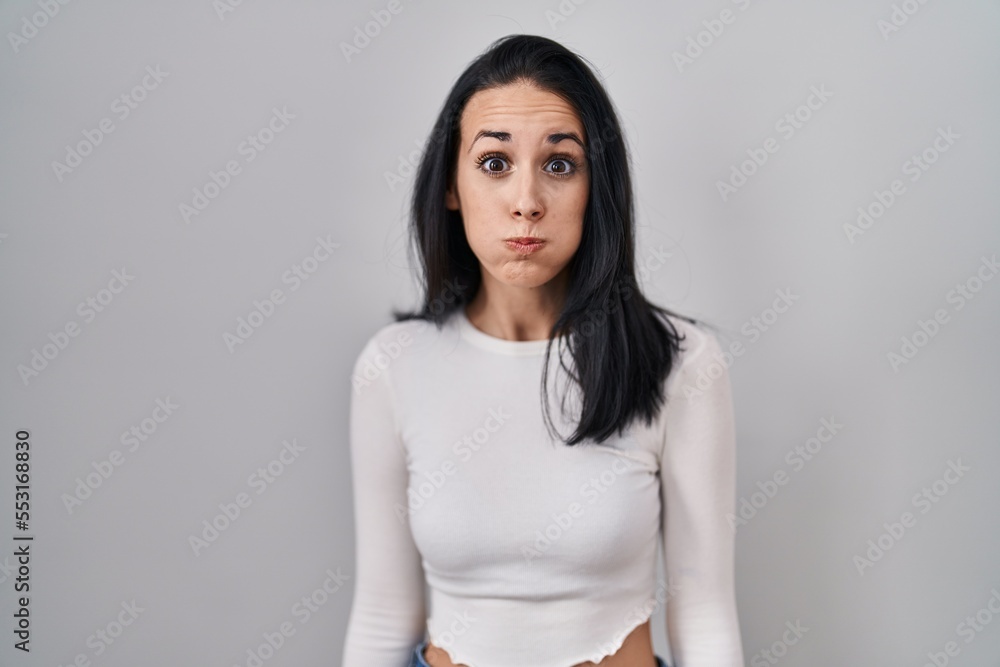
[
  {"x": 698, "y": 487},
  {"x": 388, "y": 615}
]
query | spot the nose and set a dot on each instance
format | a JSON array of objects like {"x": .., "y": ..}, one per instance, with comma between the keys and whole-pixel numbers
[{"x": 527, "y": 203}]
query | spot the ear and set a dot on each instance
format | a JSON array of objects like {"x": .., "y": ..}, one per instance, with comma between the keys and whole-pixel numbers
[{"x": 451, "y": 200}]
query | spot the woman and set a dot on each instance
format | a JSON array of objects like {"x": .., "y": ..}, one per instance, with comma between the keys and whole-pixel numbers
[{"x": 537, "y": 550}]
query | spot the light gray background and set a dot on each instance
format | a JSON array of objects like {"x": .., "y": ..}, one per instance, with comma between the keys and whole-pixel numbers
[{"x": 324, "y": 175}]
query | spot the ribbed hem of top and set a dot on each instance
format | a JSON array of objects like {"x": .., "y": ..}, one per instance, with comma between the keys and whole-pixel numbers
[{"x": 499, "y": 345}]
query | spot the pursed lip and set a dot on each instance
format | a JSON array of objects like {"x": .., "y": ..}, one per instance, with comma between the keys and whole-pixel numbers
[{"x": 525, "y": 239}]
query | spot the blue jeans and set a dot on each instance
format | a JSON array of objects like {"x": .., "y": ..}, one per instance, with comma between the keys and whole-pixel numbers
[{"x": 417, "y": 658}]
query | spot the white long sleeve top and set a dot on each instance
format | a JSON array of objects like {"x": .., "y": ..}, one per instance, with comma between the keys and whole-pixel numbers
[{"x": 533, "y": 552}]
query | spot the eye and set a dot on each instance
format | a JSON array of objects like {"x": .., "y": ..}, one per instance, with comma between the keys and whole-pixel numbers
[
  {"x": 567, "y": 168},
  {"x": 491, "y": 164},
  {"x": 488, "y": 162}
]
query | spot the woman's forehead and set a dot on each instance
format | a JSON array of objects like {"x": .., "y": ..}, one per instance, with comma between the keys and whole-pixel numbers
[{"x": 521, "y": 111}]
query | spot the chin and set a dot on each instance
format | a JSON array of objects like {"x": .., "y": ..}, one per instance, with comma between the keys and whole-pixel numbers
[
  {"x": 527, "y": 282},
  {"x": 526, "y": 272}
]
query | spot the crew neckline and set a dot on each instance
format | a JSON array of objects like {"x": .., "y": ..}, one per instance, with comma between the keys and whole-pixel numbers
[{"x": 494, "y": 344}]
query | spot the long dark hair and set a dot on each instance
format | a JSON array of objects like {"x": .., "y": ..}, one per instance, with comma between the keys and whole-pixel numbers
[{"x": 622, "y": 347}]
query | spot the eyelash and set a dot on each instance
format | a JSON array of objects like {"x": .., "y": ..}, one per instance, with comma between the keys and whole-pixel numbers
[{"x": 486, "y": 157}]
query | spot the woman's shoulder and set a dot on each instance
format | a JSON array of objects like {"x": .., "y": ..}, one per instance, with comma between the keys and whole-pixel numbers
[
  {"x": 386, "y": 348},
  {"x": 413, "y": 339},
  {"x": 394, "y": 338},
  {"x": 700, "y": 352},
  {"x": 696, "y": 338}
]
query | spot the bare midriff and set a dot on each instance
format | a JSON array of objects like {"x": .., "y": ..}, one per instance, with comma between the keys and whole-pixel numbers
[{"x": 636, "y": 651}]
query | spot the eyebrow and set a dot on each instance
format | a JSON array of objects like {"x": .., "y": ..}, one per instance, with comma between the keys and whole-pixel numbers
[{"x": 554, "y": 138}]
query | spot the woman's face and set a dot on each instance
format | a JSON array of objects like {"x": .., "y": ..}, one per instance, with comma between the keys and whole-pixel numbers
[{"x": 520, "y": 172}]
